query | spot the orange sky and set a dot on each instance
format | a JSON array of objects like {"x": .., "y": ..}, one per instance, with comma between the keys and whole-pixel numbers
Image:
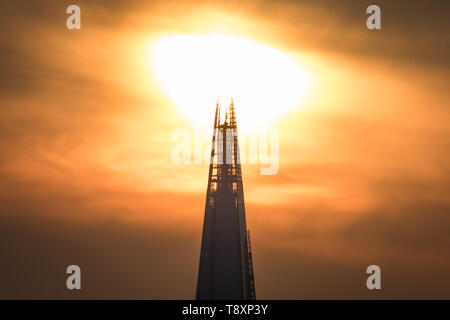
[{"x": 85, "y": 154}]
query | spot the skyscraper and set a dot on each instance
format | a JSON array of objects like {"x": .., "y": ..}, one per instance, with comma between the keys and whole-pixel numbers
[{"x": 226, "y": 269}]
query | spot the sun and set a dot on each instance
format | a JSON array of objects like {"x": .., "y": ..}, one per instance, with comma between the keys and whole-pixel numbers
[{"x": 197, "y": 70}]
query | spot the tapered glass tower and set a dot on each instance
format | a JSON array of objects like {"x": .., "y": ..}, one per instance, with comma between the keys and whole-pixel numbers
[{"x": 226, "y": 269}]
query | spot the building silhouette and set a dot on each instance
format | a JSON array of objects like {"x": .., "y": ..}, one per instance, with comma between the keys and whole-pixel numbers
[{"x": 226, "y": 268}]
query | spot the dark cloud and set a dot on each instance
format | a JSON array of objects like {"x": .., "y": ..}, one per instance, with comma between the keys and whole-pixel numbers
[
  {"x": 57, "y": 206},
  {"x": 45, "y": 227},
  {"x": 415, "y": 228},
  {"x": 412, "y": 31},
  {"x": 117, "y": 261},
  {"x": 39, "y": 239},
  {"x": 281, "y": 274}
]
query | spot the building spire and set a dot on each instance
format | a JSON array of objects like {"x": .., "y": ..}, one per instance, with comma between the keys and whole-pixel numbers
[{"x": 225, "y": 268}]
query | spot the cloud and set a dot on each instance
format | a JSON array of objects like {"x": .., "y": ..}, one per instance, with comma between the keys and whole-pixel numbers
[
  {"x": 85, "y": 167},
  {"x": 117, "y": 261}
]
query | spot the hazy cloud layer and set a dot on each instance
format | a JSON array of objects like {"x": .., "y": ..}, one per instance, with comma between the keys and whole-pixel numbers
[{"x": 86, "y": 176}]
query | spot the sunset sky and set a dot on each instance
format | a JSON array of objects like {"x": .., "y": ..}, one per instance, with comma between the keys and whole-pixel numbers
[{"x": 87, "y": 121}]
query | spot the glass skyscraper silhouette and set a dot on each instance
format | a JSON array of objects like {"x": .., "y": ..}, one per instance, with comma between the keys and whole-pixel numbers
[{"x": 226, "y": 268}]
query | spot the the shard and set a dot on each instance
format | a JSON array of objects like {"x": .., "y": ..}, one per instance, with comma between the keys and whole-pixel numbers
[{"x": 225, "y": 269}]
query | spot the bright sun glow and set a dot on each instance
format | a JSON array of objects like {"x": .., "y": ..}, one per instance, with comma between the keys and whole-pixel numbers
[{"x": 197, "y": 70}]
